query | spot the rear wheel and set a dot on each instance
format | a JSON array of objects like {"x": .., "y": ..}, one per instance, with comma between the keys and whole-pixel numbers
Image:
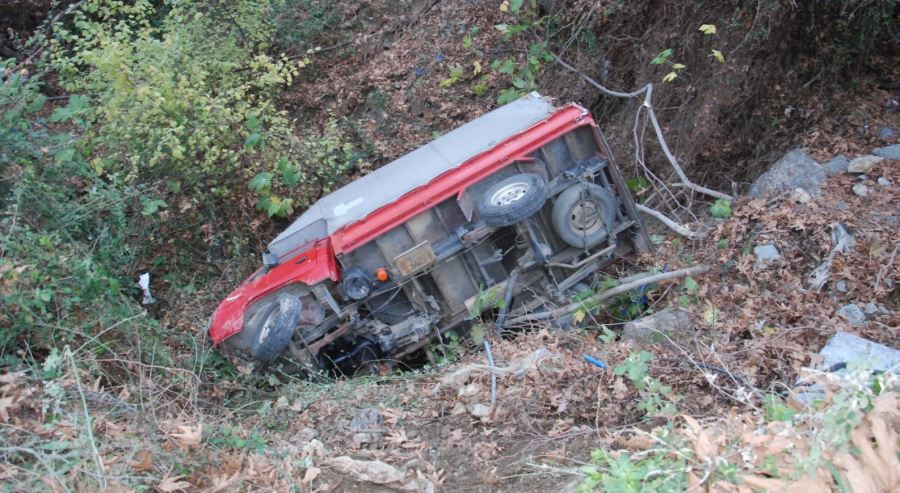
[
  {"x": 512, "y": 200},
  {"x": 584, "y": 215}
]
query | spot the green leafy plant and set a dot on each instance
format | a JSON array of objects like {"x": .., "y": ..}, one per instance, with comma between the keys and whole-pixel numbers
[
  {"x": 456, "y": 73},
  {"x": 486, "y": 299},
  {"x": 664, "y": 58},
  {"x": 657, "y": 399},
  {"x": 721, "y": 209}
]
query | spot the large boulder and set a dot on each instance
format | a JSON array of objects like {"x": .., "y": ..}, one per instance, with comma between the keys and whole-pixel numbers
[
  {"x": 795, "y": 170},
  {"x": 655, "y": 328}
]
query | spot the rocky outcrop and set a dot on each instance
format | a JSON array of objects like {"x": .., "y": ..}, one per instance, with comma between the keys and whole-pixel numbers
[{"x": 795, "y": 170}]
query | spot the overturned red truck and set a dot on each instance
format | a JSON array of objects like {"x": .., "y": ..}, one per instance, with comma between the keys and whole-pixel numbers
[{"x": 523, "y": 204}]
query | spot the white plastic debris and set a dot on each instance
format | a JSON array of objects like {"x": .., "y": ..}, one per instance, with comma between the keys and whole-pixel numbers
[{"x": 144, "y": 283}]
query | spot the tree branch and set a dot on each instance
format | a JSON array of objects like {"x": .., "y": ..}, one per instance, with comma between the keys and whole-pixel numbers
[{"x": 611, "y": 293}]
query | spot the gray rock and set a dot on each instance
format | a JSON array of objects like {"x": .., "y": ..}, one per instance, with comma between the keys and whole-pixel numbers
[
  {"x": 854, "y": 350},
  {"x": 884, "y": 182},
  {"x": 795, "y": 170},
  {"x": 886, "y": 133},
  {"x": 871, "y": 309},
  {"x": 841, "y": 205},
  {"x": 852, "y": 314},
  {"x": 889, "y": 152},
  {"x": 860, "y": 189},
  {"x": 888, "y": 219},
  {"x": 862, "y": 177},
  {"x": 765, "y": 256},
  {"x": 846, "y": 352},
  {"x": 654, "y": 328},
  {"x": 841, "y": 286},
  {"x": 863, "y": 164},
  {"x": 837, "y": 165}
]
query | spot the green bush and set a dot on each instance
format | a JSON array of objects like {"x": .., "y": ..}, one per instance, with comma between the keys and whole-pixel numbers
[
  {"x": 63, "y": 232},
  {"x": 185, "y": 90}
]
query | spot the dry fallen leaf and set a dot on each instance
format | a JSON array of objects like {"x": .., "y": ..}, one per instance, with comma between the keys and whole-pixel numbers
[
  {"x": 188, "y": 436},
  {"x": 221, "y": 482},
  {"x": 173, "y": 484},
  {"x": 6, "y": 404},
  {"x": 143, "y": 461},
  {"x": 311, "y": 474}
]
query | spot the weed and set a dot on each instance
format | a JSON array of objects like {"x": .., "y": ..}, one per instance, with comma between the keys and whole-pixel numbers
[{"x": 819, "y": 433}]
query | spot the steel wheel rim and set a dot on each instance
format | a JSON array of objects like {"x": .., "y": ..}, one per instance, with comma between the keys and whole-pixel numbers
[
  {"x": 586, "y": 218},
  {"x": 510, "y": 193}
]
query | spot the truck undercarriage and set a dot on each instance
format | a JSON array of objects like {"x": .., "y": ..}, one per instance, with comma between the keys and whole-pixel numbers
[{"x": 530, "y": 233}]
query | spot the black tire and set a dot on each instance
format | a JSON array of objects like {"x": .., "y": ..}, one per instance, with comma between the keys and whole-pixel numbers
[
  {"x": 274, "y": 333},
  {"x": 584, "y": 202},
  {"x": 512, "y": 200}
]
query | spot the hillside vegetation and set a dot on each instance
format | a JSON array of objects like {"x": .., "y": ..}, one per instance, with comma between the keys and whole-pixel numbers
[{"x": 177, "y": 137}]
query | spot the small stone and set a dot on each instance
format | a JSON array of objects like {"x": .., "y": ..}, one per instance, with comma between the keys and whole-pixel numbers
[
  {"x": 654, "y": 328},
  {"x": 860, "y": 189},
  {"x": 841, "y": 205},
  {"x": 841, "y": 286},
  {"x": 837, "y": 165},
  {"x": 800, "y": 196},
  {"x": 852, "y": 314},
  {"x": 889, "y": 152},
  {"x": 884, "y": 182},
  {"x": 480, "y": 410},
  {"x": 863, "y": 164},
  {"x": 888, "y": 219},
  {"x": 871, "y": 309},
  {"x": 862, "y": 177},
  {"x": 886, "y": 133},
  {"x": 765, "y": 255}
]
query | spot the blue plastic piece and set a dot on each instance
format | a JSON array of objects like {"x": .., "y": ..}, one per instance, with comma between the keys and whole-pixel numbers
[{"x": 594, "y": 361}]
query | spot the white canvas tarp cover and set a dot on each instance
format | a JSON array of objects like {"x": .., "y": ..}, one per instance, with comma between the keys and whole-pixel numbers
[{"x": 363, "y": 196}]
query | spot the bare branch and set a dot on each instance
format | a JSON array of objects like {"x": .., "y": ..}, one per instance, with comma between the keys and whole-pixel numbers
[
  {"x": 678, "y": 228},
  {"x": 647, "y": 91}
]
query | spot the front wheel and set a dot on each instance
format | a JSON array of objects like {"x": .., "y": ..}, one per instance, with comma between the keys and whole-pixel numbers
[
  {"x": 512, "y": 200},
  {"x": 274, "y": 333}
]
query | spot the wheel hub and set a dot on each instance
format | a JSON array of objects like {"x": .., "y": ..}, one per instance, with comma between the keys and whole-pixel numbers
[
  {"x": 510, "y": 193},
  {"x": 586, "y": 217}
]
